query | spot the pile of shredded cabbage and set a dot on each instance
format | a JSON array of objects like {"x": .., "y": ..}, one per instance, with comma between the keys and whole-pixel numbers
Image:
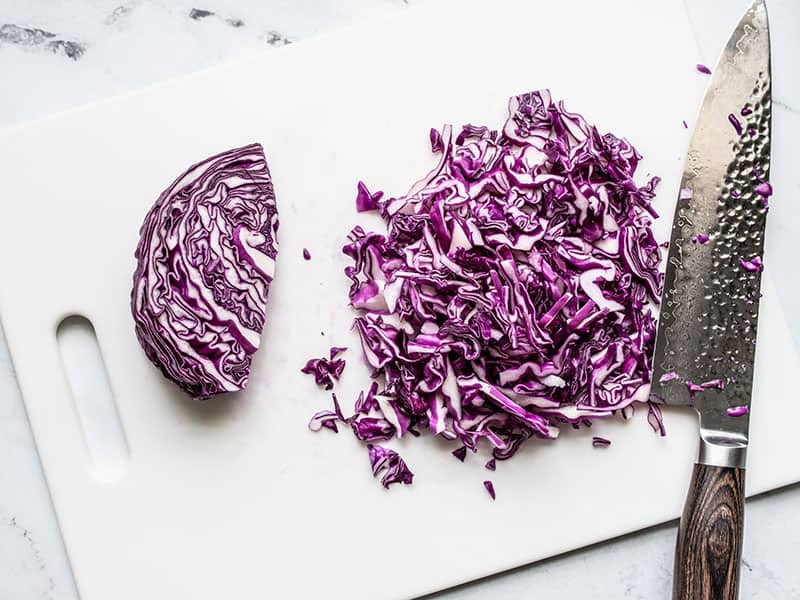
[{"x": 512, "y": 291}]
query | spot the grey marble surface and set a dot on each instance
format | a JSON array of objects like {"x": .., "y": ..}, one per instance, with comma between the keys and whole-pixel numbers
[{"x": 57, "y": 55}]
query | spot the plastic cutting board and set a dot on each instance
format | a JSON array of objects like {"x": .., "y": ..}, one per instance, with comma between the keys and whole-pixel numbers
[{"x": 234, "y": 498}]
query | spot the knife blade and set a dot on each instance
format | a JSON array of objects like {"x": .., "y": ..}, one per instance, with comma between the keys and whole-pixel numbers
[{"x": 705, "y": 341}]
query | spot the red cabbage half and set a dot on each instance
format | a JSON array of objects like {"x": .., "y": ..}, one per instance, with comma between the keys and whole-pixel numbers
[
  {"x": 205, "y": 262},
  {"x": 512, "y": 291}
]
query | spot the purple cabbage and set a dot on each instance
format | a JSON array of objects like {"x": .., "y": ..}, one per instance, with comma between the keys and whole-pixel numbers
[
  {"x": 489, "y": 488},
  {"x": 703, "y": 69},
  {"x": 600, "y": 442},
  {"x": 366, "y": 428},
  {"x": 737, "y": 125},
  {"x": 670, "y": 376},
  {"x": 388, "y": 464},
  {"x": 460, "y": 453},
  {"x": 205, "y": 262},
  {"x": 365, "y": 200},
  {"x": 655, "y": 418},
  {"x": 764, "y": 189},
  {"x": 512, "y": 291},
  {"x": 327, "y": 418},
  {"x": 754, "y": 265},
  {"x": 694, "y": 388},
  {"x": 737, "y": 411},
  {"x": 714, "y": 383},
  {"x": 326, "y": 371}
]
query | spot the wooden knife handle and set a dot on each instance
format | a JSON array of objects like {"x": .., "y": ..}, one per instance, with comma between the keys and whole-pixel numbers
[{"x": 709, "y": 549}]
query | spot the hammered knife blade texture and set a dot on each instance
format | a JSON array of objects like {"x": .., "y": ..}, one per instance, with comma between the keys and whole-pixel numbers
[{"x": 705, "y": 344}]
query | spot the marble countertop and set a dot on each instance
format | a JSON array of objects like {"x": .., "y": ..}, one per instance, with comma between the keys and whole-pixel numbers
[{"x": 54, "y": 56}]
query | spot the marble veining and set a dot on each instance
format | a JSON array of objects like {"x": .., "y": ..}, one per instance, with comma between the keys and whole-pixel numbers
[
  {"x": 40, "y": 39},
  {"x": 200, "y": 13}
]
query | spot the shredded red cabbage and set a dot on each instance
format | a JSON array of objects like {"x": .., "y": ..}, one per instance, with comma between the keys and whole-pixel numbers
[
  {"x": 512, "y": 291},
  {"x": 736, "y": 123},
  {"x": 703, "y": 69},
  {"x": 753, "y": 265},
  {"x": 737, "y": 411},
  {"x": 600, "y": 442},
  {"x": 306, "y": 254},
  {"x": 326, "y": 371},
  {"x": 460, "y": 453},
  {"x": 389, "y": 465},
  {"x": 327, "y": 418},
  {"x": 489, "y": 488},
  {"x": 365, "y": 200},
  {"x": 656, "y": 419},
  {"x": 764, "y": 189},
  {"x": 693, "y": 388},
  {"x": 714, "y": 383}
]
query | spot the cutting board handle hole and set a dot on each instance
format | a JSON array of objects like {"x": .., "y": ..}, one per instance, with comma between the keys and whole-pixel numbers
[{"x": 93, "y": 398}]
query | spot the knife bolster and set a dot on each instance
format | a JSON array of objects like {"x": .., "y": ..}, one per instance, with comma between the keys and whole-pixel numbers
[{"x": 722, "y": 453}]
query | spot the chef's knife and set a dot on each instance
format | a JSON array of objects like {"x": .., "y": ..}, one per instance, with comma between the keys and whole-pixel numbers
[{"x": 705, "y": 345}]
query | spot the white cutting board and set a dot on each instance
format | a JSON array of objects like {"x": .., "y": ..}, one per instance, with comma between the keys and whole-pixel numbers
[{"x": 235, "y": 498}]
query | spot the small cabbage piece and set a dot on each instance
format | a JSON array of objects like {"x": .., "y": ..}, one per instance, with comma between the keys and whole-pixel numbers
[
  {"x": 326, "y": 371},
  {"x": 460, "y": 453},
  {"x": 753, "y": 265},
  {"x": 600, "y": 442},
  {"x": 489, "y": 488},
  {"x": 371, "y": 429},
  {"x": 764, "y": 189},
  {"x": 669, "y": 376},
  {"x": 655, "y": 418},
  {"x": 205, "y": 262},
  {"x": 737, "y": 125},
  {"x": 694, "y": 388},
  {"x": 365, "y": 200},
  {"x": 327, "y": 418},
  {"x": 388, "y": 464},
  {"x": 714, "y": 383}
]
